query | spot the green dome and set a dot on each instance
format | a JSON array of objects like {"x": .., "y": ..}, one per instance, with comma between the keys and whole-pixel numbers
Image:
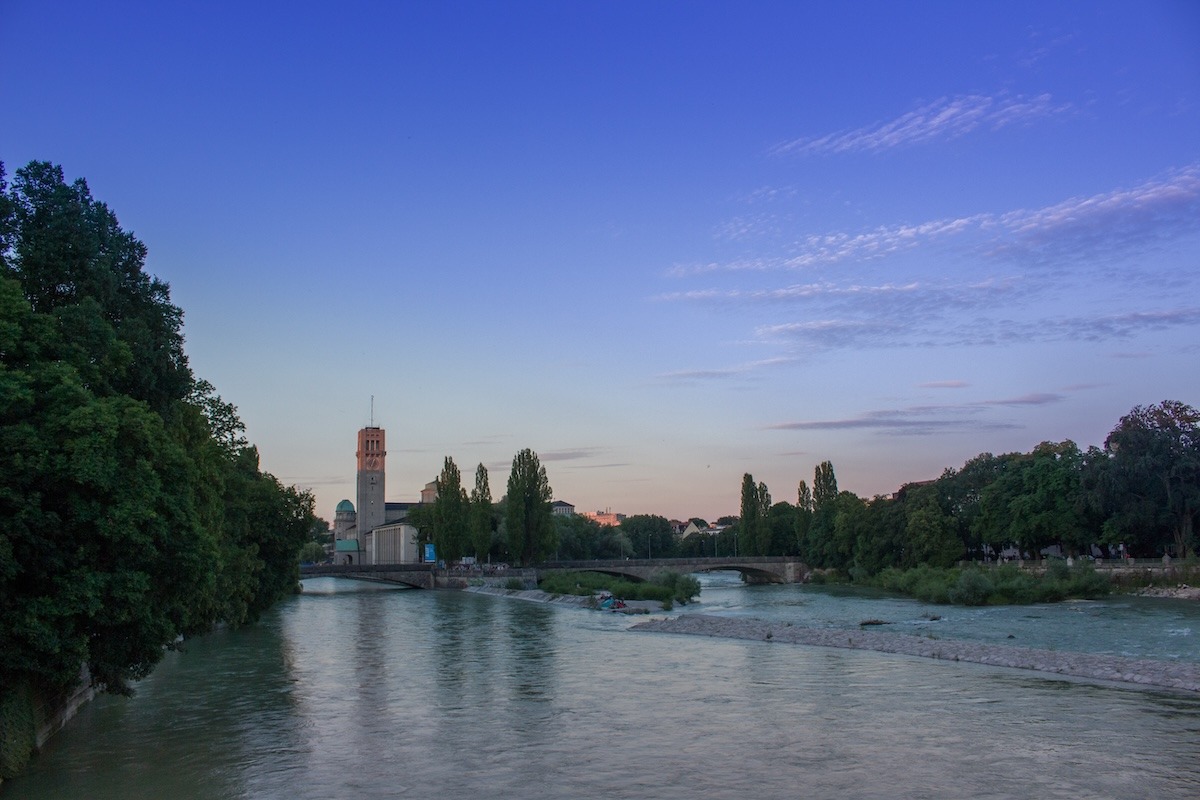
[{"x": 345, "y": 505}]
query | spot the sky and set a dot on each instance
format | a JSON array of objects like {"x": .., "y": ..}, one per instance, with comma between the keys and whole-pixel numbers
[{"x": 662, "y": 244}]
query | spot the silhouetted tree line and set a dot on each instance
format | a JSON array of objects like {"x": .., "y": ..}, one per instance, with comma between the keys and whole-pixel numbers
[
  {"x": 1141, "y": 490},
  {"x": 132, "y": 509}
]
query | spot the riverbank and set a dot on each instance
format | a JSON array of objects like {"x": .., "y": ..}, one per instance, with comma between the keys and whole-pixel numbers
[
  {"x": 1180, "y": 592},
  {"x": 1146, "y": 672}
]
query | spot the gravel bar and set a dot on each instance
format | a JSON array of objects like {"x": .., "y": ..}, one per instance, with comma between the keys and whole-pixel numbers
[{"x": 1183, "y": 675}]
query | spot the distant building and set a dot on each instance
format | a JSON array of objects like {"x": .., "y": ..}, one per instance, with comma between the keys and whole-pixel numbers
[
  {"x": 562, "y": 509},
  {"x": 604, "y": 517},
  {"x": 377, "y": 532}
]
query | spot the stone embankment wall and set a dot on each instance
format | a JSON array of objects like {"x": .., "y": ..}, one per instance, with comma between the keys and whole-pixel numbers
[
  {"x": 28, "y": 719},
  {"x": 1149, "y": 672}
]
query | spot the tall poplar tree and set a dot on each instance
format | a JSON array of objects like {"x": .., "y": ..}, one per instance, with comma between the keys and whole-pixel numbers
[
  {"x": 762, "y": 530},
  {"x": 748, "y": 524},
  {"x": 527, "y": 515},
  {"x": 804, "y": 503},
  {"x": 450, "y": 519},
  {"x": 481, "y": 514},
  {"x": 820, "y": 548}
]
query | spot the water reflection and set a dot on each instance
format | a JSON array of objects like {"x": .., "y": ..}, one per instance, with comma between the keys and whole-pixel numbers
[{"x": 378, "y": 694}]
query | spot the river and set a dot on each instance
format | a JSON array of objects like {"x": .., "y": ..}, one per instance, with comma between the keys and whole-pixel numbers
[{"x": 355, "y": 691}]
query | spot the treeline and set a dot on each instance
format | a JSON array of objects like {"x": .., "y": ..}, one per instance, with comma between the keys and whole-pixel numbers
[
  {"x": 519, "y": 529},
  {"x": 132, "y": 509},
  {"x": 1140, "y": 492}
]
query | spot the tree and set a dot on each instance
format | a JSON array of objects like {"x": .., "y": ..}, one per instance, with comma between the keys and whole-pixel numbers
[
  {"x": 528, "y": 517},
  {"x": 650, "y": 535},
  {"x": 781, "y": 523},
  {"x": 748, "y": 524},
  {"x": 825, "y": 488},
  {"x": 69, "y": 251},
  {"x": 132, "y": 511},
  {"x": 450, "y": 514},
  {"x": 762, "y": 528},
  {"x": 881, "y": 541},
  {"x": 481, "y": 514},
  {"x": 819, "y": 548},
  {"x": 1050, "y": 507},
  {"x": 930, "y": 537},
  {"x": 1155, "y": 454},
  {"x": 804, "y": 511}
]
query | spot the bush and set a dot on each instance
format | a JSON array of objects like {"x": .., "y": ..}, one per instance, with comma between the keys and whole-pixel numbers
[
  {"x": 514, "y": 584},
  {"x": 996, "y": 586},
  {"x": 680, "y": 587},
  {"x": 973, "y": 588},
  {"x": 666, "y": 587}
]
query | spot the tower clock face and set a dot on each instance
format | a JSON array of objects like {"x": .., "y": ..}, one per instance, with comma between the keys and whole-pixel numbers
[{"x": 372, "y": 462}]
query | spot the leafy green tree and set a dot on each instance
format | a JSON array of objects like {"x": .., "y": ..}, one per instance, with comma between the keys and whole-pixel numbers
[
  {"x": 650, "y": 535},
  {"x": 528, "y": 517},
  {"x": 1050, "y": 507},
  {"x": 881, "y": 540},
  {"x": 482, "y": 521},
  {"x": 312, "y": 552},
  {"x": 1155, "y": 473},
  {"x": 132, "y": 511},
  {"x": 450, "y": 514},
  {"x": 781, "y": 524},
  {"x": 930, "y": 535},
  {"x": 69, "y": 251},
  {"x": 849, "y": 518}
]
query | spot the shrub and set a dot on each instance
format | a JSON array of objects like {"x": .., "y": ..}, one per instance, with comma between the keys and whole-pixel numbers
[
  {"x": 973, "y": 588},
  {"x": 514, "y": 584}
]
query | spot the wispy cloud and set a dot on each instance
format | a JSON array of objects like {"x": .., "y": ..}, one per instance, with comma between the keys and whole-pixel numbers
[
  {"x": 1156, "y": 210},
  {"x": 1034, "y": 399},
  {"x": 943, "y": 385},
  {"x": 924, "y": 419},
  {"x": 570, "y": 455},
  {"x": 739, "y": 370},
  {"x": 946, "y": 118},
  {"x": 913, "y": 421}
]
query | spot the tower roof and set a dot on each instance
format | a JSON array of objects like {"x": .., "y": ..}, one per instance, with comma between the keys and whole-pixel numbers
[{"x": 345, "y": 505}]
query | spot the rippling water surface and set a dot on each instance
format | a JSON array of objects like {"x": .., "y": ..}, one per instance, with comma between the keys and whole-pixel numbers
[{"x": 377, "y": 693}]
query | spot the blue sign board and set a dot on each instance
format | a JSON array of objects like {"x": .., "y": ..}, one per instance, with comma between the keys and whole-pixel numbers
[{"x": 430, "y": 554}]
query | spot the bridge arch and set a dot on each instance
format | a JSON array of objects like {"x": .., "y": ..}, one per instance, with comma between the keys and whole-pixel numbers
[
  {"x": 755, "y": 570},
  {"x": 417, "y": 576}
]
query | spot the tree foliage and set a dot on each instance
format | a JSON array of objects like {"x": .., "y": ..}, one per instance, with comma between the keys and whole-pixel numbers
[
  {"x": 528, "y": 519},
  {"x": 451, "y": 515},
  {"x": 1155, "y": 473},
  {"x": 1139, "y": 495},
  {"x": 132, "y": 509},
  {"x": 649, "y": 535},
  {"x": 482, "y": 522}
]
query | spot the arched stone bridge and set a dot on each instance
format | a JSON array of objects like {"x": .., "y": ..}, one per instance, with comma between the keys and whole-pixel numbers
[
  {"x": 420, "y": 576},
  {"x": 760, "y": 569},
  {"x": 755, "y": 569}
]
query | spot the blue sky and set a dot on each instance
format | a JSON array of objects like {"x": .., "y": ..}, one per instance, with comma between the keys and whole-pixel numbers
[{"x": 662, "y": 244}]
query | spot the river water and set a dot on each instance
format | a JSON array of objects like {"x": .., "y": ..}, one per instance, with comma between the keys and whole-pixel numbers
[{"x": 354, "y": 691}]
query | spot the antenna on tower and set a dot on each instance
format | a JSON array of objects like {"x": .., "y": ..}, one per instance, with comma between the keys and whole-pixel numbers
[{"x": 372, "y": 411}]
